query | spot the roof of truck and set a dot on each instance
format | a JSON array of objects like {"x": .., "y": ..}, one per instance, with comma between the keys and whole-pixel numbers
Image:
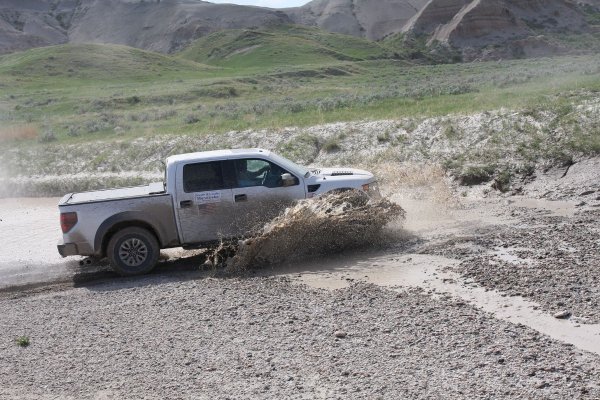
[{"x": 217, "y": 155}]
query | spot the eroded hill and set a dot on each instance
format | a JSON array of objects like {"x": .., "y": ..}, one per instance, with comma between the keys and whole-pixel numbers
[{"x": 473, "y": 28}]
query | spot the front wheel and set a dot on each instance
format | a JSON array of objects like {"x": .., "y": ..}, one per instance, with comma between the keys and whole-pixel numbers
[{"x": 133, "y": 251}]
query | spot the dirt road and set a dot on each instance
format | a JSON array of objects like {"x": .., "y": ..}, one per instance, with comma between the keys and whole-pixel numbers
[
  {"x": 29, "y": 231},
  {"x": 460, "y": 304}
]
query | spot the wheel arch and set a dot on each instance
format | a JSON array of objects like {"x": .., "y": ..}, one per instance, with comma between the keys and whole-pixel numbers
[{"x": 120, "y": 221}]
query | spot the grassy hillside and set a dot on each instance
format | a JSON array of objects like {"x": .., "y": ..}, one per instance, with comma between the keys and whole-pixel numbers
[
  {"x": 81, "y": 93},
  {"x": 84, "y": 110},
  {"x": 280, "y": 46},
  {"x": 94, "y": 62}
]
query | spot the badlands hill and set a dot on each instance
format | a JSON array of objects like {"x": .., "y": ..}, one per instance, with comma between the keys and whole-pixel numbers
[
  {"x": 505, "y": 28},
  {"x": 158, "y": 25},
  {"x": 373, "y": 19},
  {"x": 502, "y": 28}
]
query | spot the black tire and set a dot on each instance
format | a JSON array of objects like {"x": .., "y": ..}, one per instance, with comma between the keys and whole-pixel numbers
[{"x": 133, "y": 251}]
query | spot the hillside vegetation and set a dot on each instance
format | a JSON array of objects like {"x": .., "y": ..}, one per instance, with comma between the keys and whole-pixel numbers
[
  {"x": 94, "y": 62},
  {"x": 86, "y": 97},
  {"x": 285, "y": 45}
]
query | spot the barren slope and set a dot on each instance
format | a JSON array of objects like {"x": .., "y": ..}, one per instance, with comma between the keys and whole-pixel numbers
[
  {"x": 373, "y": 19},
  {"x": 434, "y": 14},
  {"x": 514, "y": 27},
  {"x": 165, "y": 26},
  {"x": 30, "y": 23},
  {"x": 162, "y": 26}
]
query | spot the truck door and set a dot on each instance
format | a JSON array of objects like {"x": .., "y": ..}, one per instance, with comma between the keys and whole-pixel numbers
[
  {"x": 204, "y": 202},
  {"x": 260, "y": 193}
]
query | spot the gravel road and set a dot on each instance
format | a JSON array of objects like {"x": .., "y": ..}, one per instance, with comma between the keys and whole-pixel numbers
[{"x": 159, "y": 337}]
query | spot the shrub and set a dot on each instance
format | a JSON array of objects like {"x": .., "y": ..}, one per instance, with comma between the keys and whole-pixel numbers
[
  {"x": 383, "y": 137},
  {"x": 133, "y": 100},
  {"x": 22, "y": 341},
  {"x": 502, "y": 180},
  {"x": 74, "y": 131},
  {"x": 476, "y": 174},
  {"x": 451, "y": 132},
  {"x": 95, "y": 126},
  {"x": 164, "y": 114},
  {"x": 191, "y": 119},
  {"x": 331, "y": 146},
  {"x": 47, "y": 137}
]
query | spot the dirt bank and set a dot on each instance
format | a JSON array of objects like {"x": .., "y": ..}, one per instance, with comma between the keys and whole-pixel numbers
[{"x": 504, "y": 145}]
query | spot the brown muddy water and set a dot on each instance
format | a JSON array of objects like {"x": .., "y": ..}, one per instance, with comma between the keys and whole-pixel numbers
[{"x": 29, "y": 231}]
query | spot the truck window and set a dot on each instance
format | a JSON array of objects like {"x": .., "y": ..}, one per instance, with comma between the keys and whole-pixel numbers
[
  {"x": 258, "y": 172},
  {"x": 201, "y": 177}
]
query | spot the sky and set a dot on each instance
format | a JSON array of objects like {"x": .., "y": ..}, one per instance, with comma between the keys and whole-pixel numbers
[{"x": 265, "y": 3}]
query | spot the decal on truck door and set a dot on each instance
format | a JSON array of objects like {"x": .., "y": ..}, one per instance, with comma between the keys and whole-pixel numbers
[{"x": 207, "y": 197}]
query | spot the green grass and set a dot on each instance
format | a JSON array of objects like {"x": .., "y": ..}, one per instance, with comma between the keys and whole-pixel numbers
[
  {"x": 86, "y": 93},
  {"x": 22, "y": 341},
  {"x": 266, "y": 48},
  {"x": 92, "y": 62}
]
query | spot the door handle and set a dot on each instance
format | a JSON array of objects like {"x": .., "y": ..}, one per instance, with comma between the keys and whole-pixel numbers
[
  {"x": 240, "y": 197},
  {"x": 186, "y": 203}
]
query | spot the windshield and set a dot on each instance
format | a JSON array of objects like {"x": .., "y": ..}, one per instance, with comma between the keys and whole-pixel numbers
[{"x": 290, "y": 165}]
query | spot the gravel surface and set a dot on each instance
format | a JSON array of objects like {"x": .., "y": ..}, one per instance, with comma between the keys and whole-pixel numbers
[
  {"x": 157, "y": 337},
  {"x": 553, "y": 260}
]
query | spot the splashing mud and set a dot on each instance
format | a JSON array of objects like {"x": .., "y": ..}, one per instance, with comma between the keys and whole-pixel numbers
[{"x": 328, "y": 224}]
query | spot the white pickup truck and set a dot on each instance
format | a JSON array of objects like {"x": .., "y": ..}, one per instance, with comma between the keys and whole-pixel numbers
[{"x": 206, "y": 197}]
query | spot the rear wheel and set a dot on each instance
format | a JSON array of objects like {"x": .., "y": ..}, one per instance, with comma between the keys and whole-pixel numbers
[{"x": 133, "y": 251}]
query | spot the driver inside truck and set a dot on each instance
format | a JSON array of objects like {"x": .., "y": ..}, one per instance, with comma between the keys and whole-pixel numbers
[{"x": 247, "y": 177}]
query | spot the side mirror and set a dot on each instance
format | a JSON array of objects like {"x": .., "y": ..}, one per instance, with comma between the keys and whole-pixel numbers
[{"x": 287, "y": 179}]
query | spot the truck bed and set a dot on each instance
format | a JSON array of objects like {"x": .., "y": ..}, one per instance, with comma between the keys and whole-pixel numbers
[
  {"x": 98, "y": 211},
  {"x": 112, "y": 194}
]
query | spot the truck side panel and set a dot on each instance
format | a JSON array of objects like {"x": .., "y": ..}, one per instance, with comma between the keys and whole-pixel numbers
[{"x": 96, "y": 219}]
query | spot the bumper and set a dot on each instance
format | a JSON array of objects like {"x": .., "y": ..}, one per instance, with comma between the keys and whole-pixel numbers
[{"x": 67, "y": 249}]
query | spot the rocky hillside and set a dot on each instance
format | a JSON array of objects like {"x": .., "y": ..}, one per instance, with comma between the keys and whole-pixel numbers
[
  {"x": 373, "y": 19},
  {"x": 158, "y": 25},
  {"x": 32, "y": 23},
  {"x": 473, "y": 24},
  {"x": 502, "y": 28}
]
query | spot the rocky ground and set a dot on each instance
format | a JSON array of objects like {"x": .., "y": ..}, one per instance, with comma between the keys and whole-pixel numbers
[
  {"x": 551, "y": 260},
  {"x": 267, "y": 338}
]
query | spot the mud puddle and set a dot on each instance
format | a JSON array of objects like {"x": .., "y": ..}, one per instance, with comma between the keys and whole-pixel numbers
[
  {"x": 557, "y": 208},
  {"x": 428, "y": 272},
  {"x": 430, "y": 220}
]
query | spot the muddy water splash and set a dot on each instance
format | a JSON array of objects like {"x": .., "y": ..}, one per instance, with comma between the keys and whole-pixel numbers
[{"x": 328, "y": 224}]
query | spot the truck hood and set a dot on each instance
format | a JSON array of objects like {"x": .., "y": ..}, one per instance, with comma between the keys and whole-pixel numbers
[
  {"x": 339, "y": 172},
  {"x": 318, "y": 175}
]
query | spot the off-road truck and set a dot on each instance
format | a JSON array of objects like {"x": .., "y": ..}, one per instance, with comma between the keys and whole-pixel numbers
[{"x": 206, "y": 197}]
